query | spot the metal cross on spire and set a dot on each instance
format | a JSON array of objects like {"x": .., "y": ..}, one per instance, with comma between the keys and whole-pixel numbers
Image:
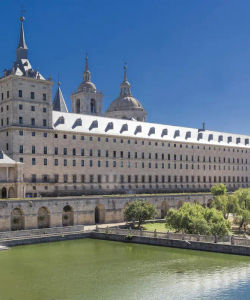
[{"x": 22, "y": 11}]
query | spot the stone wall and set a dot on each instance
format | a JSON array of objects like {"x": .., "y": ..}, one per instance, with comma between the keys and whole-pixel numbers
[{"x": 67, "y": 211}]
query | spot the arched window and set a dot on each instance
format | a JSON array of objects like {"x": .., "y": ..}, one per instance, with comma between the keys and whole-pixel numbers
[
  {"x": 93, "y": 106},
  {"x": 77, "y": 106}
]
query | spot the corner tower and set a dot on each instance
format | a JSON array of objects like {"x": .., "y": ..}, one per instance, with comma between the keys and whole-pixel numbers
[
  {"x": 25, "y": 95},
  {"x": 86, "y": 99}
]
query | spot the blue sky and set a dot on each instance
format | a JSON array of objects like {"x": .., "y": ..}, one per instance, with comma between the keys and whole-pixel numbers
[{"x": 188, "y": 61}]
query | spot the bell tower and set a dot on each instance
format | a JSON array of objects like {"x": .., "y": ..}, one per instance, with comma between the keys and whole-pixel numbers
[{"x": 87, "y": 99}]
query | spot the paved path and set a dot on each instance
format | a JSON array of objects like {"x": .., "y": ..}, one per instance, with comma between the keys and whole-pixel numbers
[{"x": 93, "y": 227}]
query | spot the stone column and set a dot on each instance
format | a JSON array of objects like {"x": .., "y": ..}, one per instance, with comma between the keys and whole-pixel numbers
[{"x": 7, "y": 174}]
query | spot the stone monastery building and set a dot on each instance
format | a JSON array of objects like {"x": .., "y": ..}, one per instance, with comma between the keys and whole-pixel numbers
[{"x": 46, "y": 150}]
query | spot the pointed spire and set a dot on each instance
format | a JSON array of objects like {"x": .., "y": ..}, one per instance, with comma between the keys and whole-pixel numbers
[
  {"x": 22, "y": 49},
  {"x": 59, "y": 102},
  {"x": 86, "y": 63},
  {"x": 125, "y": 72},
  {"x": 86, "y": 74},
  {"x": 125, "y": 85}
]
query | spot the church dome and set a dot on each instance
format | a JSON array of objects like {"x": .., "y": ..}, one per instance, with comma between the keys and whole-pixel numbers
[
  {"x": 126, "y": 106},
  {"x": 125, "y": 103},
  {"x": 88, "y": 86}
]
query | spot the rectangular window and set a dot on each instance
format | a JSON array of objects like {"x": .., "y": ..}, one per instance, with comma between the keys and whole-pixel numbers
[
  {"x": 20, "y": 120},
  {"x": 45, "y": 161},
  {"x": 20, "y": 132},
  {"x": 74, "y": 178},
  {"x": 33, "y": 122},
  {"x": 65, "y": 151},
  {"x": 45, "y": 178},
  {"x": 44, "y": 122},
  {"x": 56, "y": 151},
  {"x": 99, "y": 178},
  {"x": 129, "y": 178},
  {"x": 32, "y": 95},
  {"x": 56, "y": 178},
  {"x": 33, "y": 161},
  {"x": 65, "y": 163},
  {"x": 44, "y": 109},
  {"x": 74, "y": 162},
  {"x": 65, "y": 178},
  {"x": 74, "y": 151},
  {"x": 44, "y": 97},
  {"x": 33, "y": 108},
  {"x": 33, "y": 178},
  {"x": 45, "y": 150},
  {"x": 20, "y": 107},
  {"x": 33, "y": 150},
  {"x": 56, "y": 162},
  {"x": 82, "y": 178},
  {"x": 82, "y": 163}
]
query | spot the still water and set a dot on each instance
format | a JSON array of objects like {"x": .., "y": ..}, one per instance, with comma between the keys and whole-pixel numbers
[{"x": 94, "y": 269}]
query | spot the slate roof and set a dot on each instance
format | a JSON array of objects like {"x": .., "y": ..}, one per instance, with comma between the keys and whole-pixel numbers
[
  {"x": 59, "y": 102},
  {"x": 5, "y": 159},
  {"x": 87, "y": 124}
]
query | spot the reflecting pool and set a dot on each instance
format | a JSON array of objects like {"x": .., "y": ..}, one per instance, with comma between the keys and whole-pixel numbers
[{"x": 95, "y": 269}]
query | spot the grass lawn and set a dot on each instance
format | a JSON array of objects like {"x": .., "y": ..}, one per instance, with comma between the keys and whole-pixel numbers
[{"x": 160, "y": 227}]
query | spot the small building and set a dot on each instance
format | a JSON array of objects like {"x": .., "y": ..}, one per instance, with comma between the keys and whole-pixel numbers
[{"x": 11, "y": 178}]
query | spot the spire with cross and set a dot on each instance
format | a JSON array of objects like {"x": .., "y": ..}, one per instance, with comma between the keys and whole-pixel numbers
[{"x": 22, "y": 49}]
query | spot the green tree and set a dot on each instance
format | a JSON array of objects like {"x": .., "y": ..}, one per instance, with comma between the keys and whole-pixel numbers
[
  {"x": 226, "y": 204},
  {"x": 242, "y": 219},
  {"x": 243, "y": 196},
  {"x": 194, "y": 219},
  {"x": 219, "y": 189},
  {"x": 139, "y": 210}
]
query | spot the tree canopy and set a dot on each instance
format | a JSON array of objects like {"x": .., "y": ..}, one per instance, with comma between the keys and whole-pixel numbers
[
  {"x": 219, "y": 189},
  {"x": 237, "y": 204},
  {"x": 194, "y": 219},
  {"x": 139, "y": 210}
]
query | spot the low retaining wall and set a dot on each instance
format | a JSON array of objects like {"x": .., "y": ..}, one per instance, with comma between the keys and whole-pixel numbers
[
  {"x": 193, "y": 245},
  {"x": 45, "y": 239},
  {"x": 35, "y": 213},
  {"x": 35, "y": 237}
]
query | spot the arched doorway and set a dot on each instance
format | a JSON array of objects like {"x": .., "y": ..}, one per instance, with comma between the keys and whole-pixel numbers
[
  {"x": 4, "y": 193},
  {"x": 164, "y": 209},
  {"x": 67, "y": 216},
  {"x": 17, "y": 219},
  {"x": 11, "y": 193},
  {"x": 43, "y": 218},
  {"x": 99, "y": 214}
]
